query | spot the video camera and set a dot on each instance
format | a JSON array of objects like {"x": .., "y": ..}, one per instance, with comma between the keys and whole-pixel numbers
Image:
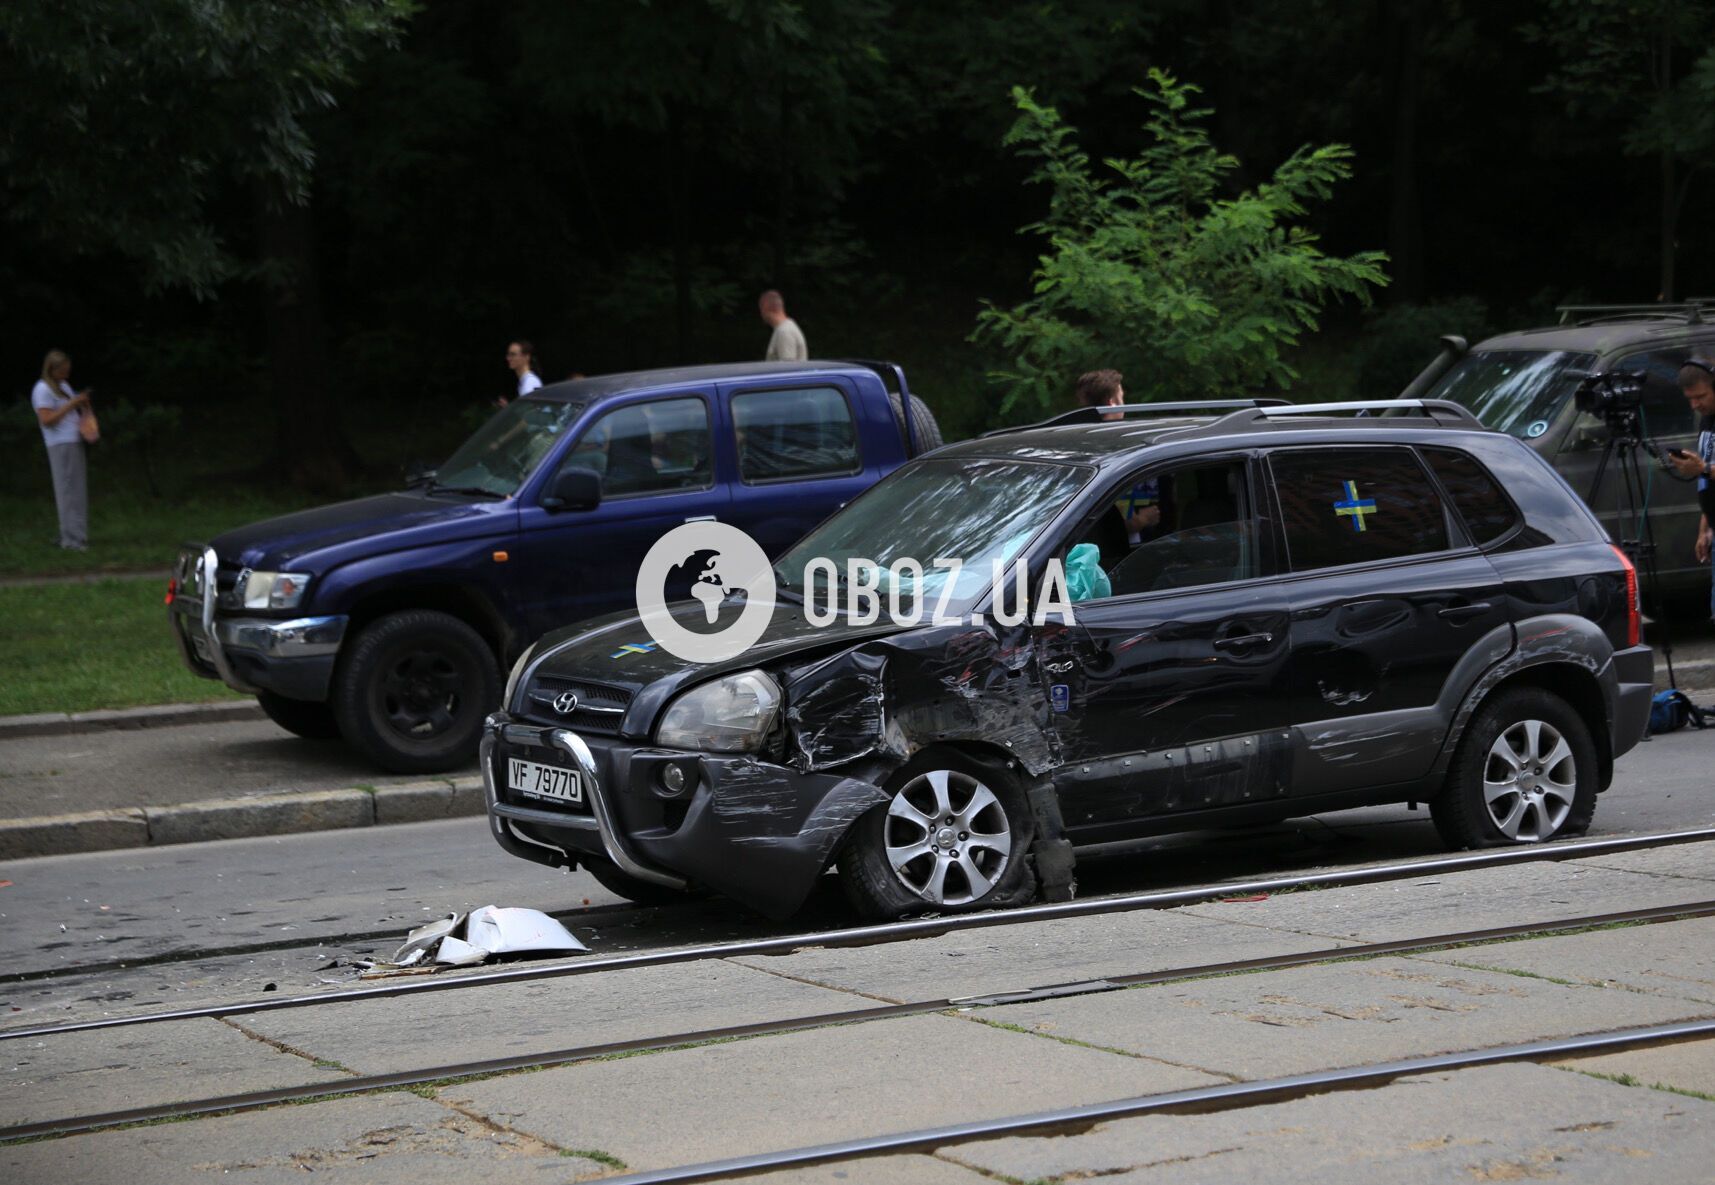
[{"x": 1614, "y": 396}]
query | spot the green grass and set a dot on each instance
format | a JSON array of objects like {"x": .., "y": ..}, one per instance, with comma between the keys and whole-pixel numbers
[
  {"x": 74, "y": 647},
  {"x": 128, "y": 531}
]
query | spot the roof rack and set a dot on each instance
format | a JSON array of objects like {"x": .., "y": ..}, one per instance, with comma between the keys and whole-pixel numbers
[
  {"x": 1126, "y": 411},
  {"x": 1689, "y": 312},
  {"x": 1377, "y": 412}
]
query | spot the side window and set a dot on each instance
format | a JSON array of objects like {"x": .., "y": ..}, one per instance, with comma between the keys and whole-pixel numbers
[
  {"x": 1352, "y": 506},
  {"x": 794, "y": 434},
  {"x": 1664, "y": 407},
  {"x": 1170, "y": 529},
  {"x": 647, "y": 448},
  {"x": 1487, "y": 511}
]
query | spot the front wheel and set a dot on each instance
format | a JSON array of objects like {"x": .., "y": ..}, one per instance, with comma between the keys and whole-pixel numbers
[
  {"x": 952, "y": 838},
  {"x": 311, "y": 720},
  {"x": 1525, "y": 772},
  {"x": 412, "y": 692}
]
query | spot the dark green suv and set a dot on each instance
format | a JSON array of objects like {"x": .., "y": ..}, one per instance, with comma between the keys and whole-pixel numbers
[{"x": 1523, "y": 383}]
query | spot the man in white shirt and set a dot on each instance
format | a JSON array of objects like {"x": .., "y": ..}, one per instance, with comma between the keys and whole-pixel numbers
[
  {"x": 787, "y": 344},
  {"x": 520, "y": 356}
]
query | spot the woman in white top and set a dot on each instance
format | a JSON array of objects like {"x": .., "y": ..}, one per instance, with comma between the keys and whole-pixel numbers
[
  {"x": 519, "y": 357},
  {"x": 60, "y": 411}
]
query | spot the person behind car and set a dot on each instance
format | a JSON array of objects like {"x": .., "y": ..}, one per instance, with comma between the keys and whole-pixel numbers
[
  {"x": 787, "y": 344},
  {"x": 1141, "y": 506},
  {"x": 520, "y": 356},
  {"x": 60, "y": 411},
  {"x": 1697, "y": 381}
]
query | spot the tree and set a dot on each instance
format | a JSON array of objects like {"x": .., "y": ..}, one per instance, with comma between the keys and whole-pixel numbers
[
  {"x": 1153, "y": 272},
  {"x": 1644, "y": 66}
]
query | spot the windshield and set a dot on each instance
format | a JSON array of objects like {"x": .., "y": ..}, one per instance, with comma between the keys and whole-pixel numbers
[
  {"x": 1514, "y": 391},
  {"x": 975, "y": 510},
  {"x": 505, "y": 450}
]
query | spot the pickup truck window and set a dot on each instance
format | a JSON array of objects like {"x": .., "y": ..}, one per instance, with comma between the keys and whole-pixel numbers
[
  {"x": 648, "y": 448},
  {"x": 505, "y": 450},
  {"x": 786, "y": 435}
]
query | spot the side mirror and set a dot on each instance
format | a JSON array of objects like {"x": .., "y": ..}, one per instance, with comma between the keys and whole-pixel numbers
[{"x": 573, "y": 489}]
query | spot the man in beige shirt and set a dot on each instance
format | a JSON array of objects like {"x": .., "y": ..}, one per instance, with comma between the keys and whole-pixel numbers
[{"x": 787, "y": 344}]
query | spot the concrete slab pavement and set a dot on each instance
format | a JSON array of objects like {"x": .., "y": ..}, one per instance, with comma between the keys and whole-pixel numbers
[{"x": 1689, "y": 1066}]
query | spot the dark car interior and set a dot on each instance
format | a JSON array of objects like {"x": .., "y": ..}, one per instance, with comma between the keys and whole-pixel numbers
[{"x": 1205, "y": 534}]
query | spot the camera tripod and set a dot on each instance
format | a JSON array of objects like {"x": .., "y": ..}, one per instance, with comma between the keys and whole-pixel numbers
[{"x": 1625, "y": 441}]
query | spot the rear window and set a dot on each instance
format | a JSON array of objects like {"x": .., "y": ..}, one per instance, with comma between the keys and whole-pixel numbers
[
  {"x": 794, "y": 434},
  {"x": 1355, "y": 506},
  {"x": 1478, "y": 497},
  {"x": 1514, "y": 391}
]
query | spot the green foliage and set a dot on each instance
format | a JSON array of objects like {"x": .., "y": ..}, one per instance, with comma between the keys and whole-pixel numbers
[
  {"x": 1153, "y": 272},
  {"x": 1399, "y": 341},
  {"x": 123, "y": 120}
]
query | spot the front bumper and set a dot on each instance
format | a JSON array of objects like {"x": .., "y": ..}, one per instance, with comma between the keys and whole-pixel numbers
[
  {"x": 756, "y": 831},
  {"x": 291, "y": 658}
]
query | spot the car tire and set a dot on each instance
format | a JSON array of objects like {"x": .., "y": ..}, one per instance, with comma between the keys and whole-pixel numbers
[
  {"x": 925, "y": 432},
  {"x": 900, "y": 858},
  {"x": 311, "y": 720},
  {"x": 633, "y": 889},
  {"x": 1524, "y": 772},
  {"x": 412, "y": 691}
]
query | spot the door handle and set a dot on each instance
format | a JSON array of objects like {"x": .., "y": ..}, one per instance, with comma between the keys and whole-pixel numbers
[
  {"x": 701, "y": 518},
  {"x": 1243, "y": 640},
  {"x": 1460, "y": 612}
]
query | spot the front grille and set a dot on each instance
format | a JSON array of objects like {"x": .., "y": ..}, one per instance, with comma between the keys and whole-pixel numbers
[{"x": 600, "y": 707}]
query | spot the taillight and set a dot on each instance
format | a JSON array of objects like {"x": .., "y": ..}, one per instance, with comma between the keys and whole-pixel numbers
[
  {"x": 1633, "y": 622},
  {"x": 172, "y": 590}
]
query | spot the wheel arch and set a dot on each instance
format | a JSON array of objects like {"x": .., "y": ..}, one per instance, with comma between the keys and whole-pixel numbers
[
  {"x": 1569, "y": 681},
  {"x": 455, "y": 600}
]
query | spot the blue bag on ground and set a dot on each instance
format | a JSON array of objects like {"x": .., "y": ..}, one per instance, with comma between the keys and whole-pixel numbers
[
  {"x": 1672, "y": 709},
  {"x": 1085, "y": 580}
]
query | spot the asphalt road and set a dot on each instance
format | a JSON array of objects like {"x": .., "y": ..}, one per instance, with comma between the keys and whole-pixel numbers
[{"x": 106, "y": 907}]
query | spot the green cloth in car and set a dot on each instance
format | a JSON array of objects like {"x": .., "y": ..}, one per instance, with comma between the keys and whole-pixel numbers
[{"x": 1085, "y": 580}]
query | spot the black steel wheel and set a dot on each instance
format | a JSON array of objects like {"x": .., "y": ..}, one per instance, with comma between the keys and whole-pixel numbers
[
  {"x": 952, "y": 837},
  {"x": 413, "y": 689},
  {"x": 1525, "y": 772},
  {"x": 310, "y": 720}
]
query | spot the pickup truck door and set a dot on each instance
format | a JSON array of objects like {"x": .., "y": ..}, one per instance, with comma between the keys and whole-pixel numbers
[
  {"x": 801, "y": 447},
  {"x": 659, "y": 468}
]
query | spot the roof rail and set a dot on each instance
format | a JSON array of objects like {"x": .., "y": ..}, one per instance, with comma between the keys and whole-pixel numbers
[
  {"x": 1126, "y": 411},
  {"x": 1689, "y": 312},
  {"x": 1440, "y": 412}
]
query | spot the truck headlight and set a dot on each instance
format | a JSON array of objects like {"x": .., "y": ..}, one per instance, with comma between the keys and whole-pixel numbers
[
  {"x": 275, "y": 590},
  {"x": 730, "y": 715}
]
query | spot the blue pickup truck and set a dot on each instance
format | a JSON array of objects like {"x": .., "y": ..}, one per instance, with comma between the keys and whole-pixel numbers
[{"x": 389, "y": 620}]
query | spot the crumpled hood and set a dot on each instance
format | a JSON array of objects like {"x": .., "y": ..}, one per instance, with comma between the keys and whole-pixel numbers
[{"x": 363, "y": 526}]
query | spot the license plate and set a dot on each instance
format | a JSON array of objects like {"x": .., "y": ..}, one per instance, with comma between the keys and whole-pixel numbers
[{"x": 544, "y": 781}]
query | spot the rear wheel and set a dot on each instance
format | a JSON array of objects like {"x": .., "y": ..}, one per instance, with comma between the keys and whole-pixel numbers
[
  {"x": 412, "y": 691},
  {"x": 1525, "y": 772},
  {"x": 313, "y": 721},
  {"x": 925, "y": 432},
  {"x": 952, "y": 838}
]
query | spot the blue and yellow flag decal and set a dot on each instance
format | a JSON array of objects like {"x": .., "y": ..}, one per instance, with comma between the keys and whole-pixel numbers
[{"x": 1354, "y": 507}]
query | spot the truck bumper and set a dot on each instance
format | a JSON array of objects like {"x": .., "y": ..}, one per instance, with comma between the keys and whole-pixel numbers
[{"x": 754, "y": 830}]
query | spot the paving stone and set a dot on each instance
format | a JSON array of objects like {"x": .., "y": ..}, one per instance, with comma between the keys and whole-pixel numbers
[
  {"x": 87, "y": 1073},
  {"x": 374, "y": 1140},
  {"x": 1693, "y": 860},
  {"x": 1038, "y": 954},
  {"x": 1345, "y": 1014},
  {"x": 1666, "y": 959},
  {"x": 1480, "y": 899},
  {"x": 381, "y": 1036},
  {"x": 1689, "y": 1065},
  {"x": 1501, "y": 1123},
  {"x": 741, "y": 1097},
  {"x": 895, "y": 1170}
]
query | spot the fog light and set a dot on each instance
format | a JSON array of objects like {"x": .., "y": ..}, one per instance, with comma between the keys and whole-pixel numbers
[{"x": 673, "y": 778}]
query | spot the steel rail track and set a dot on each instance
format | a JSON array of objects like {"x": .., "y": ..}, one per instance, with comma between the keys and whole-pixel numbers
[
  {"x": 900, "y": 931},
  {"x": 1225, "y": 1097},
  {"x": 253, "y": 1100}
]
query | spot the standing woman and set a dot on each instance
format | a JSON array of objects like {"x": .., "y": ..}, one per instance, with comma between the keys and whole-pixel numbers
[{"x": 61, "y": 412}]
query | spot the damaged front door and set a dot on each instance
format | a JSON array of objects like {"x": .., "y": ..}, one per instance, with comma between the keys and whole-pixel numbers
[{"x": 1166, "y": 693}]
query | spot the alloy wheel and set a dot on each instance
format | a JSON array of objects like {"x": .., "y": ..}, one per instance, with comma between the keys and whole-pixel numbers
[
  {"x": 947, "y": 837},
  {"x": 1529, "y": 781}
]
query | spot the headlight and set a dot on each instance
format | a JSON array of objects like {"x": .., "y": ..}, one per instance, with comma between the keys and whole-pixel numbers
[
  {"x": 730, "y": 715},
  {"x": 512, "y": 679},
  {"x": 275, "y": 590}
]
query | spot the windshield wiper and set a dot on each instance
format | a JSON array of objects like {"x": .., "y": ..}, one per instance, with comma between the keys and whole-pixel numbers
[{"x": 436, "y": 487}]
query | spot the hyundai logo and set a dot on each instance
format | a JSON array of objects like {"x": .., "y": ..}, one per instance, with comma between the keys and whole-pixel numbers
[{"x": 566, "y": 703}]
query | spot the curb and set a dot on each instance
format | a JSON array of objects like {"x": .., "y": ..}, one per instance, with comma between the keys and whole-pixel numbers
[
  {"x": 47, "y": 724},
  {"x": 241, "y": 818}
]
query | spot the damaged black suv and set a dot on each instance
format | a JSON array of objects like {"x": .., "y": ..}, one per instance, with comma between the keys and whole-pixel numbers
[{"x": 1274, "y": 611}]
